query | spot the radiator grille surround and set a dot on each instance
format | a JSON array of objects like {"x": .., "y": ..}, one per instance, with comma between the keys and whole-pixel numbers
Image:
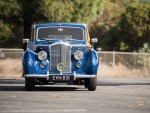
[{"x": 60, "y": 52}]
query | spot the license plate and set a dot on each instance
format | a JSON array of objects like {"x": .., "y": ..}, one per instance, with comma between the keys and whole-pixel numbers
[{"x": 61, "y": 78}]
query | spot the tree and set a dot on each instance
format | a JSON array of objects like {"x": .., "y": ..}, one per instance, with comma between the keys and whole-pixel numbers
[
  {"x": 17, "y": 16},
  {"x": 134, "y": 27},
  {"x": 83, "y": 11},
  {"x": 124, "y": 26},
  {"x": 11, "y": 30},
  {"x": 105, "y": 24}
]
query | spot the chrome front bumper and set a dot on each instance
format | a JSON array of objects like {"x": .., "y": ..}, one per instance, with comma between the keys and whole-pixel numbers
[{"x": 47, "y": 76}]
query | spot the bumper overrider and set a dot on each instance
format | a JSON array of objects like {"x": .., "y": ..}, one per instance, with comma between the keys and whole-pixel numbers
[{"x": 61, "y": 76}]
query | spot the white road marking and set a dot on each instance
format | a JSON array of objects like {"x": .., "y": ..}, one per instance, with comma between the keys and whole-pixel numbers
[{"x": 41, "y": 111}]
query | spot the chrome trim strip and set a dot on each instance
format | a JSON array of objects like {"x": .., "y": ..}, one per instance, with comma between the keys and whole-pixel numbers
[
  {"x": 61, "y": 74},
  {"x": 59, "y": 43},
  {"x": 62, "y": 42},
  {"x": 36, "y": 75},
  {"x": 82, "y": 45},
  {"x": 30, "y": 51},
  {"x": 47, "y": 76},
  {"x": 85, "y": 76},
  {"x": 59, "y": 26}
]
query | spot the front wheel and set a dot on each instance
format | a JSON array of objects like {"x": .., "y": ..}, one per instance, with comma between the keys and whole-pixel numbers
[
  {"x": 91, "y": 83},
  {"x": 29, "y": 84}
]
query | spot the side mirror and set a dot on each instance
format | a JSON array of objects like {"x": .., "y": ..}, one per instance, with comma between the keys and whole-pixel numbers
[
  {"x": 25, "y": 44},
  {"x": 94, "y": 40},
  {"x": 25, "y": 40}
]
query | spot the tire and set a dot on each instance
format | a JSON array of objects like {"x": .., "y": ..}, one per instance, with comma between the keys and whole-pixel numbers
[
  {"x": 86, "y": 81},
  {"x": 91, "y": 83},
  {"x": 29, "y": 84}
]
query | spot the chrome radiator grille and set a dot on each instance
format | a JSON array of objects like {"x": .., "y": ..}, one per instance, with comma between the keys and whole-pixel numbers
[{"x": 60, "y": 53}]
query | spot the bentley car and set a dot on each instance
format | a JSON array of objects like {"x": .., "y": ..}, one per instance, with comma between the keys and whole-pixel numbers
[{"x": 59, "y": 52}]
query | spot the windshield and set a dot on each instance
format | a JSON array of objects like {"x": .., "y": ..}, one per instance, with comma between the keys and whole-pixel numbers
[{"x": 64, "y": 33}]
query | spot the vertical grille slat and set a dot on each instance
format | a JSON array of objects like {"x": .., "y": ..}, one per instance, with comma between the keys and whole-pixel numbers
[{"x": 60, "y": 53}]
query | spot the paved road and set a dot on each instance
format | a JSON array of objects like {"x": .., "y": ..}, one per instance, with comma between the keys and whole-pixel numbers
[{"x": 111, "y": 96}]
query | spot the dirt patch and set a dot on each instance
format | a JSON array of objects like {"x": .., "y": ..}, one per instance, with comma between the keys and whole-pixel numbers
[
  {"x": 121, "y": 71},
  {"x": 10, "y": 68}
]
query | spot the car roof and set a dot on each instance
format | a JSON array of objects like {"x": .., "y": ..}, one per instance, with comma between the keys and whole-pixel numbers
[{"x": 60, "y": 24}]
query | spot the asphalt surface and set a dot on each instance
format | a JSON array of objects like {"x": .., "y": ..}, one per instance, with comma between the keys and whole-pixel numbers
[{"x": 130, "y": 95}]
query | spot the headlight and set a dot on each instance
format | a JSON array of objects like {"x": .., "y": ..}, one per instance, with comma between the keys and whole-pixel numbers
[
  {"x": 42, "y": 55},
  {"x": 78, "y": 55}
]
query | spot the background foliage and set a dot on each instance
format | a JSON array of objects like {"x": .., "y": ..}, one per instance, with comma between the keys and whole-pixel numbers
[
  {"x": 60, "y": 11},
  {"x": 11, "y": 21},
  {"x": 122, "y": 25}
]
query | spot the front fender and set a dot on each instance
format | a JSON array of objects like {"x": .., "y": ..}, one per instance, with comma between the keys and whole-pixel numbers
[
  {"x": 92, "y": 62},
  {"x": 31, "y": 63}
]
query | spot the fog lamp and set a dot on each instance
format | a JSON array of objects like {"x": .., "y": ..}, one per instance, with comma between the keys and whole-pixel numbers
[
  {"x": 78, "y": 64},
  {"x": 42, "y": 65},
  {"x": 60, "y": 67}
]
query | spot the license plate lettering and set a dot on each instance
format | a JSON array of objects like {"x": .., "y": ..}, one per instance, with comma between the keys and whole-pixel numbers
[{"x": 63, "y": 78}]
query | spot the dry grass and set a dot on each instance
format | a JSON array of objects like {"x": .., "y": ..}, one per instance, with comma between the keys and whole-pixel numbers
[
  {"x": 13, "y": 68},
  {"x": 10, "y": 68},
  {"x": 121, "y": 71}
]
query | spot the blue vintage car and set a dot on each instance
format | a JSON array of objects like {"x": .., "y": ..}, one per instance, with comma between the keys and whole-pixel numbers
[{"x": 59, "y": 52}]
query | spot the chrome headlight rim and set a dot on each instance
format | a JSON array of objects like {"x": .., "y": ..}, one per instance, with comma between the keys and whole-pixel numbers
[
  {"x": 60, "y": 67},
  {"x": 78, "y": 55},
  {"x": 42, "y": 65},
  {"x": 42, "y": 55},
  {"x": 79, "y": 64}
]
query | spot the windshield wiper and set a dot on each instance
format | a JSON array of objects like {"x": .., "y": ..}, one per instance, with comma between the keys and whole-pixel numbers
[{"x": 48, "y": 39}]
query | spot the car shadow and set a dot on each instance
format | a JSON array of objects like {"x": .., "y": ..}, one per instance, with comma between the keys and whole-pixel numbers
[
  {"x": 56, "y": 88},
  {"x": 18, "y": 85},
  {"x": 102, "y": 83},
  {"x": 40, "y": 88}
]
